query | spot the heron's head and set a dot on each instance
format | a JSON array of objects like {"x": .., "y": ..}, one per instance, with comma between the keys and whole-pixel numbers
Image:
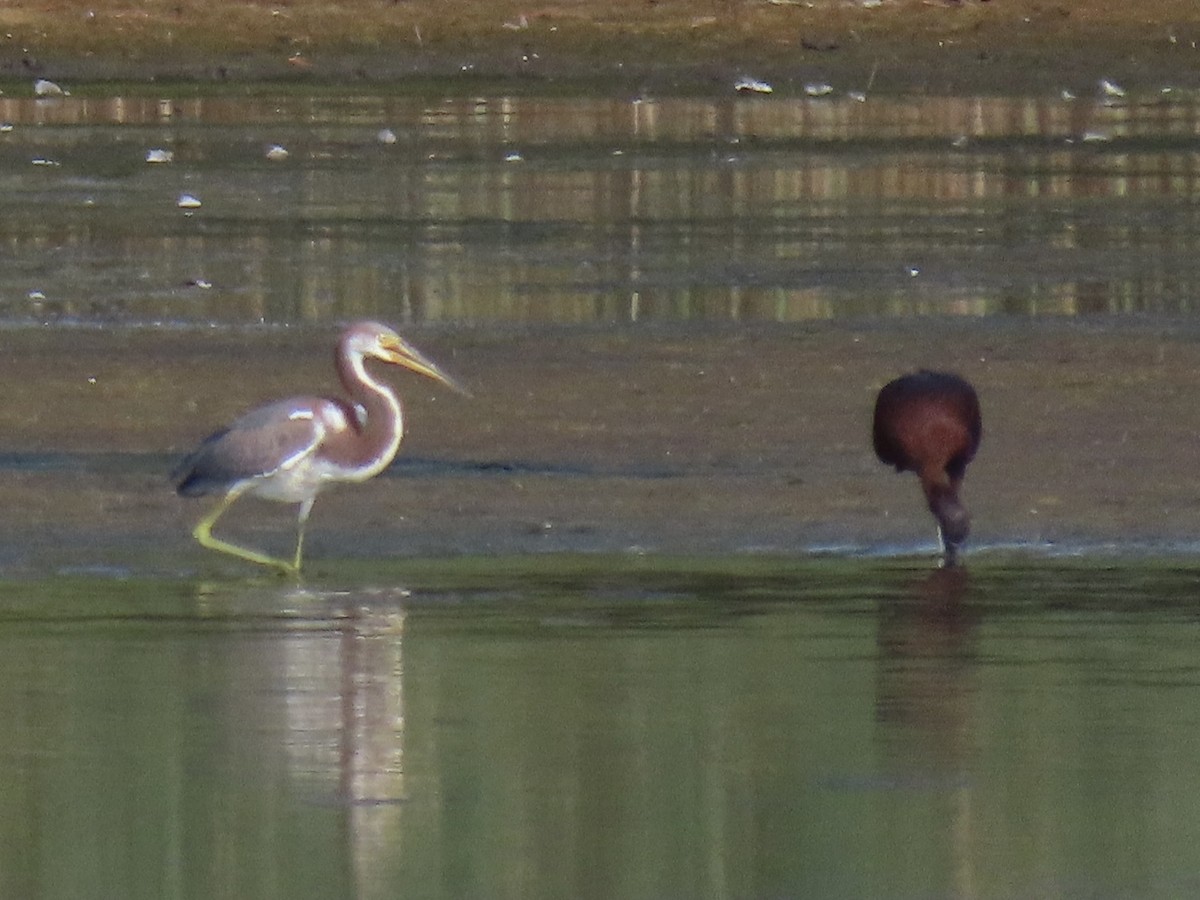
[{"x": 371, "y": 340}]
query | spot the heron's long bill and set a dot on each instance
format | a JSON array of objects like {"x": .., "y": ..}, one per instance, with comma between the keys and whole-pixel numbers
[{"x": 404, "y": 354}]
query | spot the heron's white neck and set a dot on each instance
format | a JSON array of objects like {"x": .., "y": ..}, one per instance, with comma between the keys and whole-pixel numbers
[{"x": 382, "y": 428}]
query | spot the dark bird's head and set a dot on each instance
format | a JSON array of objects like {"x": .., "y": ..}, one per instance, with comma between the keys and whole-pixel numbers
[{"x": 954, "y": 522}]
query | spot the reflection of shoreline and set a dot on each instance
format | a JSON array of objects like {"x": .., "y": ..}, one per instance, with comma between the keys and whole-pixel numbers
[{"x": 584, "y": 210}]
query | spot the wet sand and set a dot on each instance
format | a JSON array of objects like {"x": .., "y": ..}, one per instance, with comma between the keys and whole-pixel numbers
[
  {"x": 667, "y": 45},
  {"x": 675, "y": 440}
]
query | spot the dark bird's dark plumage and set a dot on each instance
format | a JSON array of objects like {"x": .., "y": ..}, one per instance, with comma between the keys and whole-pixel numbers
[{"x": 929, "y": 423}]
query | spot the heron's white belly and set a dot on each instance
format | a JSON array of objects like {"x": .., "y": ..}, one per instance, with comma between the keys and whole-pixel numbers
[{"x": 298, "y": 483}]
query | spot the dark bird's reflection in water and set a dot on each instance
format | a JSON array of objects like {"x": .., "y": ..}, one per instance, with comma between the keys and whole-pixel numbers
[{"x": 926, "y": 688}]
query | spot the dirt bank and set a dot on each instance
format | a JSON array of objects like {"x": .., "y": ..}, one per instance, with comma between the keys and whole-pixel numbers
[
  {"x": 674, "y": 440},
  {"x": 931, "y": 45}
]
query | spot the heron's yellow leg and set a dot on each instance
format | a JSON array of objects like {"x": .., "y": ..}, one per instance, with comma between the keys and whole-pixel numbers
[
  {"x": 299, "y": 547},
  {"x": 203, "y": 533},
  {"x": 301, "y": 521}
]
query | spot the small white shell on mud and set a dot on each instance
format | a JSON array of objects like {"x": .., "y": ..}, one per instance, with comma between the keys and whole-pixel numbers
[
  {"x": 187, "y": 201},
  {"x": 857, "y": 96},
  {"x": 159, "y": 155},
  {"x": 277, "y": 153},
  {"x": 818, "y": 89},
  {"x": 386, "y": 136},
  {"x": 6, "y": 127},
  {"x": 43, "y": 161},
  {"x": 1110, "y": 88},
  {"x": 43, "y": 87},
  {"x": 513, "y": 157},
  {"x": 748, "y": 85}
]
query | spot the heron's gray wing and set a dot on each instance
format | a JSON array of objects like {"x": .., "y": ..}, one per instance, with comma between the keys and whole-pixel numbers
[{"x": 259, "y": 443}]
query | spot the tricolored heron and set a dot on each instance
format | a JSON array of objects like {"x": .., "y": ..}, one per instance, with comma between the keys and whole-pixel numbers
[
  {"x": 290, "y": 449},
  {"x": 929, "y": 423}
]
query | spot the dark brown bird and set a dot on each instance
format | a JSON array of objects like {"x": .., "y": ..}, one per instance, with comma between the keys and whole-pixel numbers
[
  {"x": 929, "y": 423},
  {"x": 290, "y": 449}
]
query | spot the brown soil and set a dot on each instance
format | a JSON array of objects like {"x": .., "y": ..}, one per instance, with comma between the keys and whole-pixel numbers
[
  {"x": 934, "y": 45},
  {"x": 712, "y": 440}
]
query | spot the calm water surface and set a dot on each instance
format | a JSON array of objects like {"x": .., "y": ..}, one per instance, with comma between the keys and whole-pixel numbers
[
  {"x": 607, "y": 728},
  {"x": 580, "y": 210},
  {"x": 554, "y": 725}
]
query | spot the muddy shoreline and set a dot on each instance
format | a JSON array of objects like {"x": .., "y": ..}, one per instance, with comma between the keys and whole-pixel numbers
[
  {"x": 668, "y": 440},
  {"x": 1015, "y": 46}
]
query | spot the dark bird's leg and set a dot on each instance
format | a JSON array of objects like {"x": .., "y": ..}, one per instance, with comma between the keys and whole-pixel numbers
[
  {"x": 949, "y": 551},
  {"x": 203, "y": 533}
]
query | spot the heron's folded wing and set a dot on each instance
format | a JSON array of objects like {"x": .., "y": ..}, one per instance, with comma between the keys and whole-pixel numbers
[{"x": 260, "y": 443}]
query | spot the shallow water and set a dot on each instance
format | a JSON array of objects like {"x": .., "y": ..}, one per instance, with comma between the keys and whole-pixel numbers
[
  {"x": 595, "y": 210},
  {"x": 645, "y": 617},
  {"x": 605, "y": 727}
]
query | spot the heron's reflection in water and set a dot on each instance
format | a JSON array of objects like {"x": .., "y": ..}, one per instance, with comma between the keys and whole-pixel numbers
[{"x": 344, "y": 692}]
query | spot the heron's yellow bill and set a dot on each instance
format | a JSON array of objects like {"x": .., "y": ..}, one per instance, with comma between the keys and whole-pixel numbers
[{"x": 405, "y": 354}]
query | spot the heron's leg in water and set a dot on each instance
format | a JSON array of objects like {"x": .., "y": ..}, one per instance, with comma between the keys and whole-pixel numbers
[
  {"x": 203, "y": 533},
  {"x": 301, "y": 522}
]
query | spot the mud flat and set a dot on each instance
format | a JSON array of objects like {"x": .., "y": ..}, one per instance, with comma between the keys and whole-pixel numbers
[
  {"x": 668, "y": 45},
  {"x": 681, "y": 440}
]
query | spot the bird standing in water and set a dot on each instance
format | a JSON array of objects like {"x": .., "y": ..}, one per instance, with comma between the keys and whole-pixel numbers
[
  {"x": 290, "y": 449},
  {"x": 929, "y": 423}
]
